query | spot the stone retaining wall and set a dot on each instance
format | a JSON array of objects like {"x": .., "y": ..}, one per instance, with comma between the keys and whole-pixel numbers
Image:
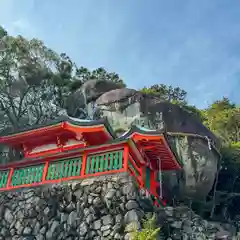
[{"x": 93, "y": 209}]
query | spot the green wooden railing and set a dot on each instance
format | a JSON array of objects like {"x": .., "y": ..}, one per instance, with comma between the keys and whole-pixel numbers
[
  {"x": 3, "y": 178},
  {"x": 64, "y": 169},
  {"x": 104, "y": 162},
  {"x": 27, "y": 175},
  {"x": 148, "y": 178}
]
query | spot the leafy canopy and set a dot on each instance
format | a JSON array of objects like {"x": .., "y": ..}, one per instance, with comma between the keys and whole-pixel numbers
[
  {"x": 149, "y": 231},
  {"x": 35, "y": 81}
]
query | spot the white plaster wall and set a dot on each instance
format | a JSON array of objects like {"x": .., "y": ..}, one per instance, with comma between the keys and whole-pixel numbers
[{"x": 44, "y": 148}]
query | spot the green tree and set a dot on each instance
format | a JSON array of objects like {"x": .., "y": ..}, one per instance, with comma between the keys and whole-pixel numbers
[
  {"x": 35, "y": 81},
  {"x": 167, "y": 93},
  {"x": 83, "y": 74},
  {"x": 223, "y": 118},
  {"x": 26, "y": 90},
  {"x": 3, "y": 32},
  {"x": 62, "y": 79}
]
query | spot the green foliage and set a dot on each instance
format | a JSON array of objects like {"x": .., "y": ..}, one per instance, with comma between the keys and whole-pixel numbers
[
  {"x": 25, "y": 82},
  {"x": 231, "y": 155},
  {"x": 149, "y": 232},
  {"x": 167, "y": 93},
  {"x": 83, "y": 74},
  {"x": 3, "y": 32},
  {"x": 223, "y": 118},
  {"x": 35, "y": 81}
]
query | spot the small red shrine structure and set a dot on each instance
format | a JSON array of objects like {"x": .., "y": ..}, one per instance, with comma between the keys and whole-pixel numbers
[{"x": 70, "y": 149}]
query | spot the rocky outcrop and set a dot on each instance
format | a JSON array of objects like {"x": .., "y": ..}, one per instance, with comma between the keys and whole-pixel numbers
[
  {"x": 199, "y": 163},
  {"x": 88, "y": 92},
  {"x": 95, "y": 210},
  {"x": 126, "y": 107},
  {"x": 182, "y": 223},
  {"x": 115, "y": 95}
]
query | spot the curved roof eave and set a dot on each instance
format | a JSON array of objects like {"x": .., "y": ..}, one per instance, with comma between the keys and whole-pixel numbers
[
  {"x": 142, "y": 130},
  {"x": 62, "y": 119}
]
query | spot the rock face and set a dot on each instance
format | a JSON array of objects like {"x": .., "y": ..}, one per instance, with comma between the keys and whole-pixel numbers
[
  {"x": 88, "y": 92},
  {"x": 92, "y": 209},
  {"x": 199, "y": 167},
  {"x": 182, "y": 223},
  {"x": 126, "y": 107}
]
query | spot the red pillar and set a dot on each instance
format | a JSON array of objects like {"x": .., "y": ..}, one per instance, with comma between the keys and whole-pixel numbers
[
  {"x": 84, "y": 163},
  {"x": 125, "y": 157},
  {"x": 153, "y": 182},
  {"x": 45, "y": 170}
]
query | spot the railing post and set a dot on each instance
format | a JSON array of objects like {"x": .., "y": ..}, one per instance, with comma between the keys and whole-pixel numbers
[
  {"x": 45, "y": 170},
  {"x": 84, "y": 163},
  {"x": 125, "y": 157},
  {"x": 143, "y": 176},
  {"x": 10, "y": 178}
]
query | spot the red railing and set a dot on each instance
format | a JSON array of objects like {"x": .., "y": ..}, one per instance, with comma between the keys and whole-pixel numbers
[
  {"x": 45, "y": 171},
  {"x": 76, "y": 166},
  {"x": 135, "y": 170},
  {"x": 85, "y": 165}
]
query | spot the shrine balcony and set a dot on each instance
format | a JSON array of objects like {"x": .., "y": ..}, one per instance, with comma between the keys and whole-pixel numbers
[{"x": 92, "y": 162}]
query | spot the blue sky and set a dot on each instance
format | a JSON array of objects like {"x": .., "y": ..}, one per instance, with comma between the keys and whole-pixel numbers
[{"x": 194, "y": 44}]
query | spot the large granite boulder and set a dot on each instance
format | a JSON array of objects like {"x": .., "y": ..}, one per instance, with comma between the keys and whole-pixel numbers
[
  {"x": 115, "y": 95},
  {"x": 126, "y": 107},
  {"x": 200, "y": 165},
  {"x": 132, "y": 104}
]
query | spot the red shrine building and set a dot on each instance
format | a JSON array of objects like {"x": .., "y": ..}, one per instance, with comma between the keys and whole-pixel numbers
[{"x": 70, "y": 149}]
